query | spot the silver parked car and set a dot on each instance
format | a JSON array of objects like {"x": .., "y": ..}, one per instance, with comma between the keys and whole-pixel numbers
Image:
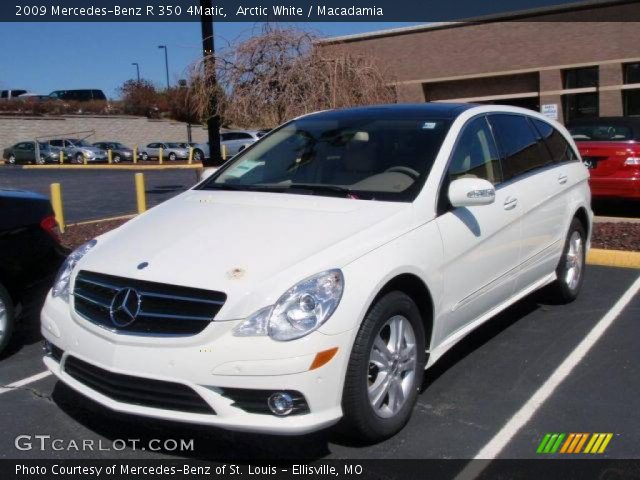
[
  {"x": 170, "y": 150},
  {"x": 119, "y": 152},
  {"x": 79, "y": 149},
  {"x": 234, "y": 142}
]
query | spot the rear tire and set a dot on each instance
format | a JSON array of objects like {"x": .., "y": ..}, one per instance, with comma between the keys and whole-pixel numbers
[
  {"x": 385, "y": 369},
  {"x": 7, "y": 319},
  {"x": 172, "y": 157},
  {"x": 116, "y": 159},
  {"x": 570, "y": 270}
]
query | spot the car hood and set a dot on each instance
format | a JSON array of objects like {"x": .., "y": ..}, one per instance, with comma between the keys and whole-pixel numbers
[{"x": 250, "y": 245}]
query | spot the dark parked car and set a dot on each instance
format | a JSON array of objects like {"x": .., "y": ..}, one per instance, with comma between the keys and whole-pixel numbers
[
  {"x": 119, "y": 152},
  {"x": 25, "y": 152},
  {"x": 610, "y": 148},
  {"x": 31, "y": 251},
  {"x": 83, "y": 95}
]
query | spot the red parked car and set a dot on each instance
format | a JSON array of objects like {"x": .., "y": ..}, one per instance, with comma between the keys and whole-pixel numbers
[{"x": 610, "y": 148}]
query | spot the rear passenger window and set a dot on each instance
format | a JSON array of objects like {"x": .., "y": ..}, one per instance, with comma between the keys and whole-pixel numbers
[
  {"x": 475, "y": 155},
  {"x": 560, "y": 149},
  {"x": 518, "y": 143}
]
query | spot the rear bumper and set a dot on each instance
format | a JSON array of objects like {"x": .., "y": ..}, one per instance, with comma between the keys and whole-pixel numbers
[{"x": 615, "y": 187}]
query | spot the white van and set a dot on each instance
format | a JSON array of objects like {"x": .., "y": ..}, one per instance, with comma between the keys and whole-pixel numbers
[{"x": 314, "y": 277}]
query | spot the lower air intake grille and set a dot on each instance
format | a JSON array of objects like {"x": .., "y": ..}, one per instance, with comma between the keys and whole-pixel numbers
[
  {"x": 137, "y": 306},
  {"x": 137, "y": 390}
]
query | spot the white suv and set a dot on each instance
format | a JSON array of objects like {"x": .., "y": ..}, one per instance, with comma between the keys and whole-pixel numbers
[{"x": 314, "y": 277}]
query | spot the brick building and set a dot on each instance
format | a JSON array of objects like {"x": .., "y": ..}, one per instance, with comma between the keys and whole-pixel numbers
[{"x": 556, "y": 60}]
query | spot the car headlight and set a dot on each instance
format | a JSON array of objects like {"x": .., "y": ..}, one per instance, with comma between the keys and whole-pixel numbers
[
  {"x": 61, "y": 284},
  {"x": 300, "y": 311}
]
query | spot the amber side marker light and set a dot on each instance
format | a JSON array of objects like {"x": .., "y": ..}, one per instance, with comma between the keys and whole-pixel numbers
[{"x": 323, "y": 358}]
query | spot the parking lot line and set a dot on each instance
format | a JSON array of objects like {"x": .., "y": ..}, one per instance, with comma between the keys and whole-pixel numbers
[
  {"x": 25, "y": 381},
  {"x": 493, "y": 448}
]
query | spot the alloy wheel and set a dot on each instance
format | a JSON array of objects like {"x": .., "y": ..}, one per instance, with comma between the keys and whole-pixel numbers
[
  {"x": 392, "y": 367},
  {"x": 12, "y": 160},
  {"x": 4, "y": 318},
  {"x": 574, "y": 261}
]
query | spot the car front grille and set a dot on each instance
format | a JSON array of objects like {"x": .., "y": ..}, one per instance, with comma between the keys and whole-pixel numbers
[
  {"x": 153, "y": 308},
  {"x": 137, "y": 390}
]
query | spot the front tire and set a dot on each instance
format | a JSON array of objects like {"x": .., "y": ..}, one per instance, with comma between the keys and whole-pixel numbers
[
  {"x": 12, "y": 160},
  {"x": 385, "y": 369},
  {"x": 7, "y": 313},
  {"x": 570, "y": 269},
  {"x": 198, "y": 155},
  {"x": 79, "y": 159},
  {"x": 145, "y": 156},
  {"x": 116, "y": 159}
]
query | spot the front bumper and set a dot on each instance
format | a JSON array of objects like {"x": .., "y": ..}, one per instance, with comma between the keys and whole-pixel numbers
[{"x": 209, "y": 363}]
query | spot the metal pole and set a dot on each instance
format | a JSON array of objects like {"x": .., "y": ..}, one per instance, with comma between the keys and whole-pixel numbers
[
  {"x": 208, "y": 52},
  {"x": 137, "y": 70},
  {"x": 166, "y": 63}
]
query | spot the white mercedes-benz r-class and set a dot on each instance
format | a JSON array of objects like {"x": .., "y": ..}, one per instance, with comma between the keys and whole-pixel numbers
[{"x": 314, "y": 276}]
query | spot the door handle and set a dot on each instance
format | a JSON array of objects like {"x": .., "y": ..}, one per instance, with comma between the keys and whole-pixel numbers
[
  {"x": 510, "y": 203},
  {"x": 562, "y": 179}
]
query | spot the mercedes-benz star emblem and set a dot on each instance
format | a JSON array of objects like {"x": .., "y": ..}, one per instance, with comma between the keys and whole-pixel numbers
[{"x": 125, "y": 307}]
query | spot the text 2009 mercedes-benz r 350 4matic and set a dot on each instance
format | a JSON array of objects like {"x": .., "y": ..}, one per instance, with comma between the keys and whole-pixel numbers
[{"x": 314, "y": 276}]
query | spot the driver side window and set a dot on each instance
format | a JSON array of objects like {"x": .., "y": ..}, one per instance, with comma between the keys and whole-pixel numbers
[{"x": 476, "y": 155}]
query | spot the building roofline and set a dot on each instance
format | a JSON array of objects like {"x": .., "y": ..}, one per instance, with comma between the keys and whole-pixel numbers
[{"x": 508, "y": 16}]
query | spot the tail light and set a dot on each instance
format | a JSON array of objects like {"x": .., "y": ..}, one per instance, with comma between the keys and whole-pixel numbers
[
  {"x": 49, "y": 225},
  {"x": 632, "y": 162}
]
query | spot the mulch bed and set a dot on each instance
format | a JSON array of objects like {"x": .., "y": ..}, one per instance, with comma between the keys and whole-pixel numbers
[
  {"x": 616, "y": 236},
  {"x": 76, "y": 235},
  {"x": 611, "y": 236}
]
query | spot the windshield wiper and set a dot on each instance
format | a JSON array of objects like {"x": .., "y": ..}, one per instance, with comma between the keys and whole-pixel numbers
[
  {"x": 315, "y": 188},
  {"x": 240, "y": 188}
]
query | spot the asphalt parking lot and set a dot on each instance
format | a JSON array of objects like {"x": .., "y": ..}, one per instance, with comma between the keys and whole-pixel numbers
[
  {"x": 94, "y": 194},
  {"x": 466, "y": 408}
]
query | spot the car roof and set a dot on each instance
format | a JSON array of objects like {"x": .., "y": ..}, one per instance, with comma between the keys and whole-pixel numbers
[
  {"x": 437, "y": 110},
  {"x": 15, "y": 193}
]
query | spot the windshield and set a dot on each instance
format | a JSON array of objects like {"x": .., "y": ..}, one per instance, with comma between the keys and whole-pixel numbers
[
  {"x": 601, "y": 132},
  {"x": 366, "y": 158}
]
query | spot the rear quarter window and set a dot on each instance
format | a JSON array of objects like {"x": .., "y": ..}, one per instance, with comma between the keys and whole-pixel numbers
[{"x": 561, "y": 151}]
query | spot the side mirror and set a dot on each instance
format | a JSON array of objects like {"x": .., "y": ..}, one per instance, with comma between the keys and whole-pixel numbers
[{"x": 468, "y": 192}]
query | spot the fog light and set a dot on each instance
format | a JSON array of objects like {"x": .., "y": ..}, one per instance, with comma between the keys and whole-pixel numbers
[
  {"x": 280, "y": 403},
  {"x": 47, "y": 348}
]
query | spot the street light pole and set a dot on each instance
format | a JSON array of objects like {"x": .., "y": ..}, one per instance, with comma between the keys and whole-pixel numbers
[
  {"x": 137, "y": 70},
  {"x": 208, "y": 51},
  {"x": 166, "y": 62}
]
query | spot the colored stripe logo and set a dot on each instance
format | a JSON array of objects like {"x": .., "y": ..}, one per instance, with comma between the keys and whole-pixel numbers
[{"x": 593, "y": 443}]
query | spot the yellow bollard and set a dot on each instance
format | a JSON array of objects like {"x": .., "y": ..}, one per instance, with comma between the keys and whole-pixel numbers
[
  {"x": 61, "y": 157},
  {"x": 84, "y": 158},
  {"x": 224, "y": 152},
  {"x": 56, "y": 203},
  {"x": 160, "y": 154},
  {"x": 135, "y": 154},
  {"x": 140, "y": 193},
  {"x": 190, "y": 155},
  {"x": 110, "y": 156}
]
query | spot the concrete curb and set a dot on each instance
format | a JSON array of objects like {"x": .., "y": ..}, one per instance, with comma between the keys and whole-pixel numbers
[
  {"x": 112, "y": 167},
  {"x": 613, "y": 258}
]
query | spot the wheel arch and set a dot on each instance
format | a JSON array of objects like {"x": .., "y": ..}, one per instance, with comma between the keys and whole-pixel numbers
[
  {"x": 417, "y": 289},
  {"x": 582, "y": 215}
]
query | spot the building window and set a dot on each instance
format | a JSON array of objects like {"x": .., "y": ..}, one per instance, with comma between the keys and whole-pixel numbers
[
  {"x": 580, "y": 105},
  {"x": 631, "y": 97},
  {"x": 632, "y": 73},
  {"x": 580, "y": 77}
]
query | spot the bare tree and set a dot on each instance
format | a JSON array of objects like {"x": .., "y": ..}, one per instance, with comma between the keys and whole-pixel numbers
[{"x": 282, "y": 73}]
